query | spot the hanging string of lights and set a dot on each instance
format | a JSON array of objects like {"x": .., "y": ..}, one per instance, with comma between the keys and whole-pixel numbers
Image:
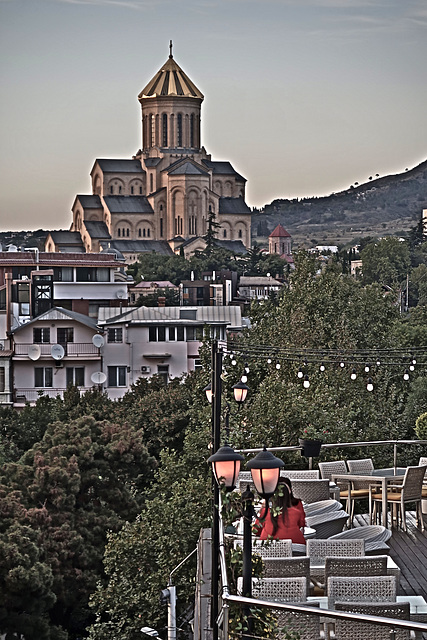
[{"x": 357, "y": 361}]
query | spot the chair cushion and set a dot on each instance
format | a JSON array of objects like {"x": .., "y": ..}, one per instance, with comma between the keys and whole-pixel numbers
[
  {"x": 355, "y": 493},
  {"x": 391, "y": 496}
]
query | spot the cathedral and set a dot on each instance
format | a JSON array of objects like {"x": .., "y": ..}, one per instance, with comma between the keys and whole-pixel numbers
[{"x": 163, "y": 198}]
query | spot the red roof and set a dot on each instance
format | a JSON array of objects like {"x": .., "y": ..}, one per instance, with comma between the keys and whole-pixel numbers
[{"x": 279, "y": 232}]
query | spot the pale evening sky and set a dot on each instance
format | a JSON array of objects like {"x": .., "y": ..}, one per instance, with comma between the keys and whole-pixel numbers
[{"x": 303, "y": 97}]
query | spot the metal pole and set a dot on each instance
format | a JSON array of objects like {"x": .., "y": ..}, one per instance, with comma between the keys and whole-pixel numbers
[
  {"x": 248, "y": 511},
  {"x": 172, "y": 613},
  {"x": 216, "y": 425}
]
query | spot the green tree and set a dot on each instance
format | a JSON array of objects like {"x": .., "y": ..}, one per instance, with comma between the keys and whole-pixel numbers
[{"x": 386, "y": 261}]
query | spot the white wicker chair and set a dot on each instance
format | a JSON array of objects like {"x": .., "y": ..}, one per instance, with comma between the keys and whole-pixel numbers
[
  {"x": 310, "y": 490},
  {"x": 301, "y": 474},
  {"x": 355, "y": 630},
  {"x": 277, "y": 589},
  {"x": 367, "y": 589},
  {"x": 320, "y": 549},
  {"x": 271, "y": 548},
  {"x": 304, "y": 625},
  {"x": 409, "y": 491},
  {"x": 354, "y": 566},
  {"x": 288, "y": 568},
  {"x": 348, "y": 491}
]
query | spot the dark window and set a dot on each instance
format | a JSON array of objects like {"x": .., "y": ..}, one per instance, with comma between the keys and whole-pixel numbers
[
  {"x": 127, "y": 232},
  {"x": 140, "y": 190},
  {"x": 161, "y": 334},
  {"x": 139, "y": 232},
  {"x": 171, "y": 334},
  {"x": 43, "y": 377},
  {"x": 117, "y": 376},
  {"x": 180, "y": 334},
  {"x": 143, "y": 233},
  {"x": 240, "y": 233},
  {"x": 115, "y": 335},
  {"x": 191, "y": 333},
  {"x": 75, "y": 376},
  {"x": 152, "y": 334},
  {"x": 225, "y": 233},
  {"x": 163, "y": 371},
  {"x": 148, "y": 233},
  {"x": 131, "y": 189},
  {"x": 2, "y": 379},
  {"x": 120, "y": 189},
  {"x": 192, "y": 130},
  {"x": 165, "y": 131},
  {"x": 179, "y": 132},
  {"x": 41, "y": 335},
  {"x": 118, "y": 233},
  {"x": 161, "y": 227},
  {"x": 111, "y": 189},
  {"x": 64, "y": 335}
]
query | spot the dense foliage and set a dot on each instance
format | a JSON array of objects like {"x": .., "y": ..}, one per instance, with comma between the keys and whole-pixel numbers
[{"x": 101, "y": 500}]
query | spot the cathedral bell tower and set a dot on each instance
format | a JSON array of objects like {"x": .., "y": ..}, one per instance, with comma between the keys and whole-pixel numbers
[{"x": 171, "y": 106}]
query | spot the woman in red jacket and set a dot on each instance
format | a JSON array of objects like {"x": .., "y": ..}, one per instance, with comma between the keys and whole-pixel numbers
[{"x": 282, "y": 521}]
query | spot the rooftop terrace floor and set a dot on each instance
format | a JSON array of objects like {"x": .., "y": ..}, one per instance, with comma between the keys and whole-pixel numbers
[{"x": 409, "y": 551}]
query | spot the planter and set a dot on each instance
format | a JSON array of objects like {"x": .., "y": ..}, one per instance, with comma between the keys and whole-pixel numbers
[{"x": 310, "y": 448}]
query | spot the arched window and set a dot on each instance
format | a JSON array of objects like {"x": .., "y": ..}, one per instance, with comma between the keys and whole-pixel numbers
[
  {"x": 140, "y": 191},
  {"x": 120, "y": 189},
  {"x": 131, "y": 190},
  {"x": 152, "y": 131},
  {"x": 165, "y": 130},
  {"x": 179, "y": 130},
  {"x": 192, "y": 130},
  {"x": 118, "y": 233},
  {"x": 127, "y": 232},
  {"x": 161, "y": 227},
  {"x": 240, "y": 233},
  {"x": 139, "y": 233},
  {"x": 148, "y": 233},
  {"x": 225, "y": 233},
  {"x": 143, "y": 233},
  {"x": 151, "y": 182},
  {"x": 111, "y": 189}
]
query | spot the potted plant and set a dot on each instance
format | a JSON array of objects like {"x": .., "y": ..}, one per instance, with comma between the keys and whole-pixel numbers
[{"x": 311, "y": 440}]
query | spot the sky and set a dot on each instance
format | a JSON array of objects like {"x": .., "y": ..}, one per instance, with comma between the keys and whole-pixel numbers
[{"x": 303, "y": 97}]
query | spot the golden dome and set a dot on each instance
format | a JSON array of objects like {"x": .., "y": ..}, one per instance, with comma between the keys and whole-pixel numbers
[{"x": 170, "y": 80}]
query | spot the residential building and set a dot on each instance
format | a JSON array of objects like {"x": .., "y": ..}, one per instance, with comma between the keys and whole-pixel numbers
[{"x": 257, "y": 287}]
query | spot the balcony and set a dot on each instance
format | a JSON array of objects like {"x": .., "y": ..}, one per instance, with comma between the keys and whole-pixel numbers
[
  {"x": 72, "y": 350},
  {"x": 32, "y": 395}
]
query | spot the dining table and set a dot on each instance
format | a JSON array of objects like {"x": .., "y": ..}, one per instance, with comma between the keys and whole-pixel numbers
[{"x": 384, "y": 477}]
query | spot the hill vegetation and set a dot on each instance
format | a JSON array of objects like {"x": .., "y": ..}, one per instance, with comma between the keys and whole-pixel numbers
[{"x": 389, "y": 205}]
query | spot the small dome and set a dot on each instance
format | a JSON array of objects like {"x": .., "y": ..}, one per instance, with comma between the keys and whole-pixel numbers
[{"x": 170, "y": 81}]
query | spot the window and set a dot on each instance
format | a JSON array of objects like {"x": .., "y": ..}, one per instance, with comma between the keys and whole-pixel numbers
[
  {"x": 163, "y": 371},
  {"x": 140, "y": 191},
  {"x": 41, "y": 335},
  {"x": 2, "y": 380},
  {"x": 157, "y": 334},
  {"x": 240, "y": 233},
  {"x": 131, "y": 190},
  {"x": 64, "y": 335},
  {"x": 43, "y": 377},
  {"x": 139, "y": 233},
  {"x": 24, "y": 299},
  {"x": 172, "y": 334},
  {"x": 165, "y": 130},
  {"x": 192, "y": 130},
  {"x": 143, "y": 233},
  {"x": 118, "y": 232},
  {"x": 148, "y": 233},
  {"x": 120, "y": 189},
  {"x": 180, "y": 334},
  {"x": 191, "y": 333},
  {"x": 117, "y": 376},
  {"x": 161, "y": 227},
  {"x": 179, "y": 132},
  {"x": 151, "y": 182},
  {"x": 225, "y": 233},
  {"x": 75, "y": 376},
  {"x": 111, "y": 189},
  {"x": 198, "y": 365},
  {"x": 115, "y": 335}
]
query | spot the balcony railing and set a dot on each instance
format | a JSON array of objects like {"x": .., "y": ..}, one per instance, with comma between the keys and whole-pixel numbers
[
  {"x": 73, "y": 349},
  {"x": 31, "y": 395}
]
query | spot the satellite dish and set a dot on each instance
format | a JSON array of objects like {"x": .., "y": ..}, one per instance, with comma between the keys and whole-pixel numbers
[
  {"x": 57, "y": 351},
  {"x": 120, "y": 294},
  {"x": 98, "y": 340},
  {"x": 34, "y": 352},
  {"x": 98, "y": 377}
]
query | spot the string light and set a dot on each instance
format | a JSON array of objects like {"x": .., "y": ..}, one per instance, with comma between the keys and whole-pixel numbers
[
  {"x": 342, "y": 365},
  {"x": 306, "y": 382},
  {"x": 300, "y": 373},
  {"x": 378, "y": 363},
  {"x": 234, "y": 362},
  {"x": 370, "y": 385},
  {"x": 322, "y": 367},
  {"x": 406, "y": 375},
  {"x": 411, "y": 367},
  {"x": 353, "y": 375},
  {"x": 367, "y": 368},
  {"x": 277, "y": 365},
  {"x": 244, "y": 379},
  {"x": 246, "y": 367},
  {"x": 268, "y": 360}
]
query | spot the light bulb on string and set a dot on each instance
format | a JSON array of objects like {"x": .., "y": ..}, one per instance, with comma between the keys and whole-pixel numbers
[
  {"x": 367, "y": 368},
  {"x": 378, "y": 363},
  {"x": 342, "y": 364},
  {"x": 414, "y": 361},
  {"x": 268, "y": 360},
  {"x": 244, "y": 379},
  {"x": 353, "y": 374},
  {"x": 234, "y": 362},
  {"x": 322, "y": 367},
  {"x": 277, "y": 365},
  {"x": 300, "y": 373},
  {"x": 370, "y": 385},
  {"x": 306, "y": 382},
  {"x": 411, "y": 367},
  {"x": 406, "y": 375},
  {"x": 246, "y": 367}
]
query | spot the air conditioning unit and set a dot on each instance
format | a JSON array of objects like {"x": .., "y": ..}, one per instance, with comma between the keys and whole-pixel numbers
[
  {"x": 59, "y": 364},
  {"x": 145, "y": 369}
]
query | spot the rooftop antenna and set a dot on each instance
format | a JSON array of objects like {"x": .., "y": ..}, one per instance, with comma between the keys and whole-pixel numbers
[{"x": 170, "y": 49}]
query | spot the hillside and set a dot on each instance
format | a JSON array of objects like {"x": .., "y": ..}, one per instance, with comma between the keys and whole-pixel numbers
[{"x": 387, "y": 205}]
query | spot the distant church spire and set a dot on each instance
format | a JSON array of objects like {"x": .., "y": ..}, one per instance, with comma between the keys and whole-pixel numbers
[{"x": 170, "y": 49}]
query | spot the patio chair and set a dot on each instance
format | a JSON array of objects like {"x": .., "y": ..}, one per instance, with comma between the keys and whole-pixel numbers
[
  {"x": 277, "y": 589},
  {"x": 329, "y": 523},
  {"x": 288, "y": 568},
  {"x": 321, "y": 549},
  {"x": 271, "y": 548},
  {"x": 304, "y": 625},
  {"x": 301, "y": 474},
  {"x": 355, "y": 630},
  {"x": 311, "y": 490},
  {"x": 409, "y": 491},
  {"x": 366, "y": 589},
  {"x": 354, "y": 566},
  {"x": 363, "y": 467},
  {"x": 375, "y": 537},
  {"x": 348, "y": 491}
]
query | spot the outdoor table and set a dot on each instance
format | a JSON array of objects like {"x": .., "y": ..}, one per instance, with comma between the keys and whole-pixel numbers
[
  {"x": 417, "y": 604},
  {"x": 385, "y": 476}
]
